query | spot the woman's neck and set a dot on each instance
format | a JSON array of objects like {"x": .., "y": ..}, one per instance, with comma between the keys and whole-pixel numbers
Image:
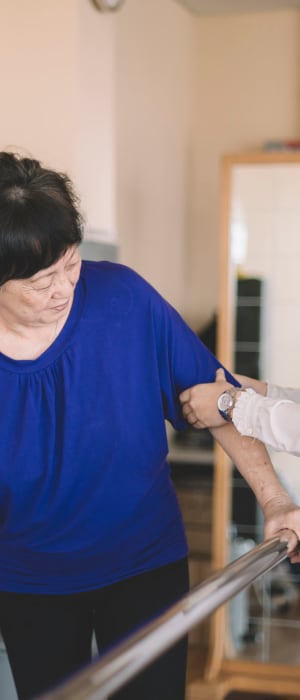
[{"x": 26, "y": 341}]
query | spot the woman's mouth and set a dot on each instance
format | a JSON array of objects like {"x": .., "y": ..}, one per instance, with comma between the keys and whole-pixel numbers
[{"x": 60, "y": 307}]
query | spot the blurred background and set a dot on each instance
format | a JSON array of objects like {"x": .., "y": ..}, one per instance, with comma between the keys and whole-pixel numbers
[{"x": 138, "y": 105}]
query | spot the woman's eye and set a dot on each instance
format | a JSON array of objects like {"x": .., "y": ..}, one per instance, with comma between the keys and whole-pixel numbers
[{"x": 40, "y": 288}]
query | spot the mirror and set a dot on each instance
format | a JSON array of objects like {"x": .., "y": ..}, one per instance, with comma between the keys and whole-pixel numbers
[{"x": 259, "y": 335}]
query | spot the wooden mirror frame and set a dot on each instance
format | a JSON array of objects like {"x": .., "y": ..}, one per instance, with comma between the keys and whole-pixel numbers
[{"x": 223, "y": 675}]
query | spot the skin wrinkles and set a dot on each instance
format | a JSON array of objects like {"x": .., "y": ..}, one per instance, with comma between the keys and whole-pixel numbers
[{"x": 34, "y": 310}]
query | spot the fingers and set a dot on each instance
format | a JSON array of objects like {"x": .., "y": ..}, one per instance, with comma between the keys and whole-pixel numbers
[
  {"x": 220, "y": 375},
  {"x": 185, "y": 396},
  {"x": 291, "y": 538},
  {"x": 295, "y": 558},
  {"x": 190, "y": 416}
]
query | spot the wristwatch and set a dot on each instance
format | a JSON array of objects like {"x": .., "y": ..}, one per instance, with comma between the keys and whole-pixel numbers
[{"x": 226, "y": 402}]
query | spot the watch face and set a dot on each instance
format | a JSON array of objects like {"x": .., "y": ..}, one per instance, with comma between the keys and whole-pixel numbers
[{"x": 225, "y": 401}]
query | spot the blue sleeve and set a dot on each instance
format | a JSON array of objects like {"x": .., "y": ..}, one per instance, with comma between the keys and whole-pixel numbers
[{"x": 183, "y": 360}]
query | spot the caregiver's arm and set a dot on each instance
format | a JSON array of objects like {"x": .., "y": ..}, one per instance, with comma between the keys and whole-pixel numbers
[
  {"x": 269, "y": 415},
  {"x": 271, "y": 391},
  {"x": 252, "y": 460}
]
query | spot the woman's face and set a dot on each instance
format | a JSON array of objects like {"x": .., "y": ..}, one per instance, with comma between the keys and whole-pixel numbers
[{"x": 45, "y": 297}]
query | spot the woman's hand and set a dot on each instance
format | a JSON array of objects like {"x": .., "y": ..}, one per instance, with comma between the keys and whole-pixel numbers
[
  {"x": 282, "y": 519},
  {"x": 199, "y": 402}
]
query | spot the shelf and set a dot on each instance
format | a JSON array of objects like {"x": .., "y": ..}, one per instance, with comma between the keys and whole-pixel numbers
[{"x": 190, "y": 455}]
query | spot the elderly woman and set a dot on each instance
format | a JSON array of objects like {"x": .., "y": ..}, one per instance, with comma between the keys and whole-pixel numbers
[{"x": 92, "y": 362}]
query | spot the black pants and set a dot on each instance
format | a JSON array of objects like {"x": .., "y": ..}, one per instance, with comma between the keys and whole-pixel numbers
[{"x": 48, "y": 637}]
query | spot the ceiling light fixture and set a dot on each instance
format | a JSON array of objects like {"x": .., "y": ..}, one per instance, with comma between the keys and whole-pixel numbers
[{"x": 107, "y": 5}]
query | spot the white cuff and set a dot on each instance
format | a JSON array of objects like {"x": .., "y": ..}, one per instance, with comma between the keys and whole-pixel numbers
[{"x": 240, "y": 414}]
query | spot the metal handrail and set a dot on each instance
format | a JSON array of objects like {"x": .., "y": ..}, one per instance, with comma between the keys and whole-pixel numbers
[{"x": 104, "y": 676}]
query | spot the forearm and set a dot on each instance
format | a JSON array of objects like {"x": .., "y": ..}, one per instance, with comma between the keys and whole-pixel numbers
[
  {"x": 252, "y": 460},
  {"x": 281, "y": 515},
  {"x": 258, "y": 385}
]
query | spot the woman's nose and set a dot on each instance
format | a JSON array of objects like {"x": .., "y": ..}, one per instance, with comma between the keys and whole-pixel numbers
[{"x": 61, "y": 285}]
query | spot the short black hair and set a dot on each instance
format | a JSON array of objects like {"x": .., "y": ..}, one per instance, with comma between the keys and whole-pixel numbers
[{"x": 39, "y": 216}]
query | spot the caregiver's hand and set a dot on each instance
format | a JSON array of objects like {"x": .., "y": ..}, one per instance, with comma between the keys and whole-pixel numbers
[{"x": 199, "y": 402}]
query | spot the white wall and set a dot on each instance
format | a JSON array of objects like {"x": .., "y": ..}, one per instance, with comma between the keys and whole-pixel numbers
[
  {"x": 94, "y": 118},
  {"x": 138, "y": 106},
  {"x": 37, "y": 56},
  {"x": 155, "y": 91},
  {"x": 57, "y": 94},
  {"x": 248, "y": 70}
]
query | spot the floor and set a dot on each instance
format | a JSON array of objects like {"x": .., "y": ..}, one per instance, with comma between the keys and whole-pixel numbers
[{"x": 273, "y": 636}]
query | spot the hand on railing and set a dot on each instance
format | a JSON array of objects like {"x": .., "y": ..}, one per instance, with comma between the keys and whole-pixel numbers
[
  {"x": 282, "y": 519},
  {"x": 292, "y": 542}
]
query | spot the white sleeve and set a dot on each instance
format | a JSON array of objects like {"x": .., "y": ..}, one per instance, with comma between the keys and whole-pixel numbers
[
  {"x": 280, "y": 392},
  {"x": 273, "y": 421}
]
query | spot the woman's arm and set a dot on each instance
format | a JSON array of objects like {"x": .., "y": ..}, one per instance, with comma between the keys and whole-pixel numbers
[
  {"x": 252, "y": 460},
  {"x": 266, "y": 389},
  {"x": 248, "y": 382}
]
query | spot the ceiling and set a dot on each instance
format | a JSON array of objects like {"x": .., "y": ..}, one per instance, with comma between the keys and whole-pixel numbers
[{"x": 227, "y": 7}]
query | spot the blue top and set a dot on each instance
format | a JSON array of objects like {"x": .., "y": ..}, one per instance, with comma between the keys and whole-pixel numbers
[{"x": 86, "y": 497}]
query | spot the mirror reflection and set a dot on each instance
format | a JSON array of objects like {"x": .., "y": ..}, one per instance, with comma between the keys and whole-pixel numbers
[{"x": 263, "y": 305}]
